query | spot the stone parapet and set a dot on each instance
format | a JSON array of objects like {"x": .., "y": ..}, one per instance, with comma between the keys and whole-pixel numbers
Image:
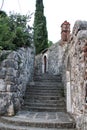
[{"x": 16, "y": 70}]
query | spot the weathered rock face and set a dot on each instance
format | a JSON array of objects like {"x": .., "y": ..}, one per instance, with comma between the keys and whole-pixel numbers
[
  {"x": 16, "y": 70},
  {"x": 75, "y": 72}
]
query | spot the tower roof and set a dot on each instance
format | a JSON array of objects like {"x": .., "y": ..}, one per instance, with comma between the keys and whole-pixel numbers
[{"x": 65, "y": 23}]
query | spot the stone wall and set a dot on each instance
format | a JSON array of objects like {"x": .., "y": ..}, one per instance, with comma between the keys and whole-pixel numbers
[
  {"x": 16, "y": 70},
  {"x": 38, "y": 64},
  {"x": 75, "y": 72},
  {"x": 54, "y": 56}
]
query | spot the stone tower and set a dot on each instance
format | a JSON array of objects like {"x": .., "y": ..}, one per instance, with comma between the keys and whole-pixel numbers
[{"x": 65, "y": 31}]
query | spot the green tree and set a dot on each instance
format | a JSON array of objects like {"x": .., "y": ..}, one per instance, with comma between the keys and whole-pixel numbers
[
  {"x": 50, "y": 43},
  {"x": 3, "y": 13},
  {"x": 23, "y": 34},
  {"x": 14, "y": 31},
  {"x": 40, "y": 30}
]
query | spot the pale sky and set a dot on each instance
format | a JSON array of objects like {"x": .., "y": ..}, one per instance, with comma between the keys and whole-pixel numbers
[{"x": 56, "y": 12}]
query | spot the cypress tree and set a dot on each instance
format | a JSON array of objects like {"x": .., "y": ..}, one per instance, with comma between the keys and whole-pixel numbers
[{"x": 40, "y": 30}]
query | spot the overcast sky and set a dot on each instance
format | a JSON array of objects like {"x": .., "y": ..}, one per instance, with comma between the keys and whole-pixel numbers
[{"x": 56, "y": 12}]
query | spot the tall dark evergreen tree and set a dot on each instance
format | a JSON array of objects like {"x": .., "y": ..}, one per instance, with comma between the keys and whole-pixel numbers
[{"x": 40, "y": 30}]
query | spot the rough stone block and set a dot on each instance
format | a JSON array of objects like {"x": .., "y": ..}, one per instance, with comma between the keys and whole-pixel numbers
[{"x": 2, "y": 85}]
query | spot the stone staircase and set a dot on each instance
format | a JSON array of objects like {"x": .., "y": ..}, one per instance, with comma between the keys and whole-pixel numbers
[
  {"x": 46, "y": 93},
  {"x": 44, "y": 107}
]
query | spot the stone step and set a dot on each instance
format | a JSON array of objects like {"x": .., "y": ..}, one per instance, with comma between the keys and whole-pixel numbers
[
  {"x": 45, "y": 101},
  {"x": 31, "y": 93},
  {"x": 43, "y": 97},
  {"x": 28, "y": 94},
  {"x": 48, "y": 76},
  {"x": 4, "y": 126},
  {"x": 44, "y": 104},
  {"x": 48, "y": 80},
  {"x": 44, "y": 109},
  {"x": 45, "y": 89},
  {"x": 47, "y": 84},
  {"x": 41, "y": 104}
]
